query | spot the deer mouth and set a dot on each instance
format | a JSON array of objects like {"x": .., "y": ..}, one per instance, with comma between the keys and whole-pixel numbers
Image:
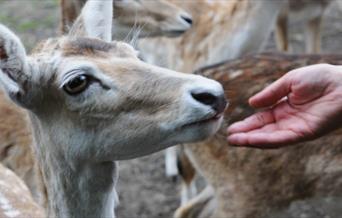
[{"x": 213, "y": 119}]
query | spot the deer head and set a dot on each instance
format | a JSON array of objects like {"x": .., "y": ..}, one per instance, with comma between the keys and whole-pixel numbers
[
  {"x": 149, "y": 18},
  {"x": 154, "y": 18},
  {"x": 97, "y": 97},
  {"x": 91, "y": 101}
]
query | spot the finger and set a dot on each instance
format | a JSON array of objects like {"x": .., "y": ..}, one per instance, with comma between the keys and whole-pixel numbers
[
  {"x": 264, "y": 140},
  {"x": 255, "y": 121},
  {"x": 273, "y": 93}
]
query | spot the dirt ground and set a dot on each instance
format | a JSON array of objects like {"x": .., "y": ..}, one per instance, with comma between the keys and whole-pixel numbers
[{"x": 143, "y": 189}]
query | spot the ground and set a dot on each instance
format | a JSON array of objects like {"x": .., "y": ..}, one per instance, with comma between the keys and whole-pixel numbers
[{"x": 144, "y": 191}]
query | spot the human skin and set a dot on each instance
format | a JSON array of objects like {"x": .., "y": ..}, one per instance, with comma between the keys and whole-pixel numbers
[{"x": 304, "y": 104}]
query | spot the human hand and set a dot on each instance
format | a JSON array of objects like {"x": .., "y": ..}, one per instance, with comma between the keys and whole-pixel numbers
[{"x": 304, "y": 104}]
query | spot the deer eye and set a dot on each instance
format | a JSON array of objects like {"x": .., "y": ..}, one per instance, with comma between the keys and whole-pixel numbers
[{"x": 77, "y": 84}]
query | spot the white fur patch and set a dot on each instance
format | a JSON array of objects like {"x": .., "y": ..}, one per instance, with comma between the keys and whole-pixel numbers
[
  {"x": 235, "y": 74},
  {"x": 171, "y": 162},
  {"x": 7, "y": 208}
]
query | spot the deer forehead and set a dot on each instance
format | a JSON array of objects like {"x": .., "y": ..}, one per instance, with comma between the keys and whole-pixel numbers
[
  {"x": 83, "y": 47},
  {"x": 90, "y": 47},
  {"x": 57, "y": 55}
]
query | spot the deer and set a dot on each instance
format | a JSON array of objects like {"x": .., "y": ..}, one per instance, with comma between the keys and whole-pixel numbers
[
  {"x": 234, "y": 23},
  {"x": 15, "y": 134},
  {"x": 244, "y": 182},
  {"x": 149, "y": 18},
  {"x": 312, "y": 13},
  {"x": 91, "y": 101},
  {"x": 221, "y": 30}
]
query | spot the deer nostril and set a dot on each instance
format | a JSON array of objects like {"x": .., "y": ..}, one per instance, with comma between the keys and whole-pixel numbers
[
  {"x": 187, "y": 19},
  {"x": 218, "y": 103},
  {"x": 205, "y": 98}
]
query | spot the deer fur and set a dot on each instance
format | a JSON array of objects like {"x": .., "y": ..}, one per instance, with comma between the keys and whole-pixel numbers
[
  {"x": 126, "y": 109},
  {"x": 147, "y": 18},
  {"x": 298, "y": 10},
  {"x": 232, "y": 28},
  {"x": 15, "y": 198}
]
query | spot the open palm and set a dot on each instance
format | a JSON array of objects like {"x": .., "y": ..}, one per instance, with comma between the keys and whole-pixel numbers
[{"x": 304, "y": 104}]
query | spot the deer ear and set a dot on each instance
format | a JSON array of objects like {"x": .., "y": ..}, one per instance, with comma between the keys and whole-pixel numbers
[
  {"x": 13, "y": 65},
  {"x": 95, "y": 20}
]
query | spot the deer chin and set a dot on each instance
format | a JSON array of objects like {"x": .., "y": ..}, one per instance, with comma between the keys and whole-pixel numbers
[
  {"x": 207, "y": 121},
  {"x": 201, "y": 129}
]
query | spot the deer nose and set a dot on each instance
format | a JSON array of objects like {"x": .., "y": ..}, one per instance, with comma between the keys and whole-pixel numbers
[
  {"x": 216, "y": 102},
  {"x": 187, "y": 19}
]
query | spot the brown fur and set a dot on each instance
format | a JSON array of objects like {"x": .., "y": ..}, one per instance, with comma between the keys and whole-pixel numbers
[
  {"x": 15, "y": 141},
  {"x": 86, "y": 47},
  {"x": 70, "y": 9},
  {"x": 185, "y": 168},
  {"x": 2, "y": 53}
]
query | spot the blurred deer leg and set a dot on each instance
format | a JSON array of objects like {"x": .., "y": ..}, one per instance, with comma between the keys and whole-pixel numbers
[
  {"x": 281, "y": 33},
  {"x": 187, "y": 173},
  {"x": 188, "y": 191},
  {"x": 200, "y": 206},
  {"x": 313, "y": 35},
  {"x": 171, "y": 169}
]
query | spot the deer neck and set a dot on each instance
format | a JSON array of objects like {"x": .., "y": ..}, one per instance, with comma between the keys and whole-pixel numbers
[{"x": 74, "y": 188}]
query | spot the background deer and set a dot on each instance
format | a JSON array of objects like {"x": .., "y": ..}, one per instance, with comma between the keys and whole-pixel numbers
[
  {"x": 148, "y": 18},
  {"x": 232, "y": 28},
  {"x": 311, "y": 12},
  {"x": 92, "y": 102}
]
